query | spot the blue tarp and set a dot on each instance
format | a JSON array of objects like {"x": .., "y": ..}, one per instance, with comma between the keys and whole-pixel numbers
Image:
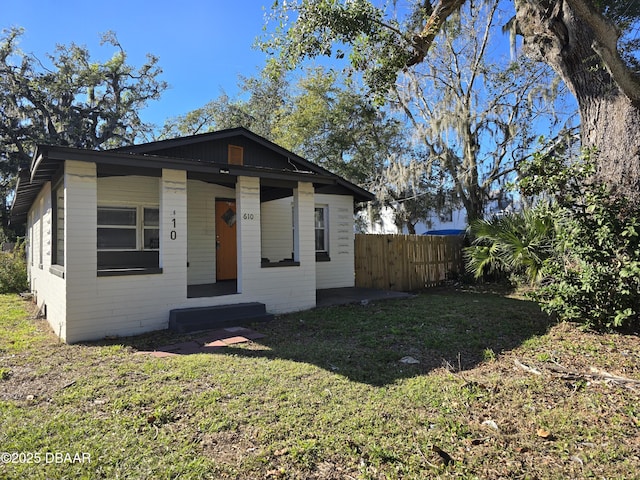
[{"x": 451, "y": 231}]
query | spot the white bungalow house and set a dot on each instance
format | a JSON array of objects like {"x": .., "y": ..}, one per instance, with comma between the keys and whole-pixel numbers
[{"x": 181, "y": 233}]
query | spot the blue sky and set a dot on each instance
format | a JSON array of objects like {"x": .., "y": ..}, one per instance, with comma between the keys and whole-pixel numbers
[{"x": 202, "y": 45}]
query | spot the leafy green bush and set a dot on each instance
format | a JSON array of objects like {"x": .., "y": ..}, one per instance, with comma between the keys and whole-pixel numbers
[
  {"x": 13, "y": 271},
  {"x": 593, "y": 276}
]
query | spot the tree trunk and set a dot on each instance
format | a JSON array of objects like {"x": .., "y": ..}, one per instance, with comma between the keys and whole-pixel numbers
[
  {"x": 610, "y": 120},
  {"x": 473, "y": 202},
  {"x": 612, "y": 125}
]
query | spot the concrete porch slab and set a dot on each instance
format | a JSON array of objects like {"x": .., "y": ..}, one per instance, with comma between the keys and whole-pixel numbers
[{"x": 343, "y": 296}]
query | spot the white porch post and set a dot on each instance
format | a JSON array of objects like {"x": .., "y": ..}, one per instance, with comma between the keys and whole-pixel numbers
[
  {"x": 248, "y": 230},
  {"x": 303, "y": 207},
  {"x": 173, "y": 229},
  {"x": 80, "y": 244}
]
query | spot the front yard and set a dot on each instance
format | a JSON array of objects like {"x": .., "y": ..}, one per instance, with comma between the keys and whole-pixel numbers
[{"x": 499, "y": 392}]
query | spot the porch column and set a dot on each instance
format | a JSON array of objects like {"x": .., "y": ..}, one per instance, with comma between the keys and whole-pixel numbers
[
  {"x": 248, "y": 230},
  {"x": 80, "y": 241},
  {"x": 173, "y": 229},
  {"x": 303, "y": 208}
]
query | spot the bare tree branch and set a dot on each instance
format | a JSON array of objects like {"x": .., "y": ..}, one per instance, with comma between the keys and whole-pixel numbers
[{"x": 422, "y": 41}]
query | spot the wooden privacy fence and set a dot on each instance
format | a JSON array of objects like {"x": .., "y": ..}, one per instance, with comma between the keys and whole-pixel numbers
[{"x": 406, "y": 262}]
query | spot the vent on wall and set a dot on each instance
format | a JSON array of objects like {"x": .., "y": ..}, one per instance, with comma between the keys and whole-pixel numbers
[{"x": 235, "y": 155}]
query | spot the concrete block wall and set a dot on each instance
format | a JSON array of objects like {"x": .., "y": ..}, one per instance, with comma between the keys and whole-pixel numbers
[
  {"x": 201, "y": 225},
  {"x": 127, "y": 304},
  {"x": 277, "y": 229},
  {"x": 49, "y": 290},
  {"x": 340, "y": 271},
  {"x": 282, "y": 289}
]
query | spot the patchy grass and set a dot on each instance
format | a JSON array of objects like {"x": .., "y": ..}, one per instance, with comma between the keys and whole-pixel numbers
[
  {"x": 325, "y": 396},
  {"x": 17, "y": 334}
]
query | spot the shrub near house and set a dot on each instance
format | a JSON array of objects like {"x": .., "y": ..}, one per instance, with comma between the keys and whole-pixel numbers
[
  {"x": 582, "y": 248},
  {"x": 13, "y": 271}
]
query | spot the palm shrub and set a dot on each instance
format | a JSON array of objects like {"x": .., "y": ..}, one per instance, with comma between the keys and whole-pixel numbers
[{"x": 514, "y": 245}]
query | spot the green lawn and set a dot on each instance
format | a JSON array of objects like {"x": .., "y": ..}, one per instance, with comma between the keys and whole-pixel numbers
[{"x": 325, "y": 396}]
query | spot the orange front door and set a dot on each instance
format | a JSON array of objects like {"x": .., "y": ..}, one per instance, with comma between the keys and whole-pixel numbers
[{"x": 226, "y": 247}]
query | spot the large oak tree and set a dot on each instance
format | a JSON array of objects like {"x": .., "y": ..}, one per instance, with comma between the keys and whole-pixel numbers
[
  {"x": 68, "y": 98},
  {"x": 582, "y": 40}
]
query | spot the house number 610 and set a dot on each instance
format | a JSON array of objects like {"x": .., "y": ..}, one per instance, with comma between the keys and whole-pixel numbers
[
  {"x": 247, "y": 216},
  {"x": 173, "y": 235}
]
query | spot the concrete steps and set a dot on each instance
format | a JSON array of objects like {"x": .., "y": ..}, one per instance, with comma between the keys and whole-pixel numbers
[{"x": 185, "y": 320}]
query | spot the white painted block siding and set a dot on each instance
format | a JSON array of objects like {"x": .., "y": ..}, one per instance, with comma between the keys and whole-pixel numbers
[
  {"x": 128, "y": 191},
  {"x": 48, "y": 289},
  {"x": 83, "y": 306},
  {"x": 277, "y": 237},
  {"x": 281, "y": 289},
  {"x": 201, "y": 225},
  {"x": 340, "y": 271},
  {"x": 125, "y": 305}
]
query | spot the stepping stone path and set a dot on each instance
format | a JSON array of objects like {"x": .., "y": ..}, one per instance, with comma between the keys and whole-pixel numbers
[{"x": 209, "y": 342}]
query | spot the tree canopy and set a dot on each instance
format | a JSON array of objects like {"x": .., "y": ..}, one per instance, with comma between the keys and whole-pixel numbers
[
  {"x": 591, "y": 44},
  {"x": 259, "y": 106},
  {"x": 476, "y": 115},
  {"x": 69, "y": 99}
]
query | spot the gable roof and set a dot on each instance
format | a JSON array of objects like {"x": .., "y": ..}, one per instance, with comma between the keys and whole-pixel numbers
[
  {"x": 202, "y": 156},
  {"x": 186, "y": 147}
]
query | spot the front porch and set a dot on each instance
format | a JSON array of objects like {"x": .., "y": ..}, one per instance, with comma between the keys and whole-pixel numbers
[
  {"x": 325, "y": 297},
  {"x": 236, "y": 314}
]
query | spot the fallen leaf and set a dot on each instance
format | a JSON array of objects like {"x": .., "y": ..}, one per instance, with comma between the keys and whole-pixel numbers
[
  {"x": 280, "y": 472},
  {"x": 546, "y": 434},
  {"x": 151, "y": 419},
  {"x": 577, "y": 459}
]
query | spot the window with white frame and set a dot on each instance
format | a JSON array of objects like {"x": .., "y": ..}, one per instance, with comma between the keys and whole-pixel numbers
[
  {"x": 151, "y": 228},
  {"x": 321, "y": 229},
  {"x": 30, "y": 239},
  {"x": 128, "y": 228},
  {"x": 58, "y": 227},
  {"x": 41, "y": 233}
]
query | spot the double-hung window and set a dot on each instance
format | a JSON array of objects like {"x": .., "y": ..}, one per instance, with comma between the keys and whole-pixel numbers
[
  {"x": 128, "y": 238},
  {"x": 117, "y": 228},
  {"x": 321, "y": 224},
  {"x": 58, "y": 225},
  {"x": 128, "y": 228},
  {"x": 150, "y": 228}
]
